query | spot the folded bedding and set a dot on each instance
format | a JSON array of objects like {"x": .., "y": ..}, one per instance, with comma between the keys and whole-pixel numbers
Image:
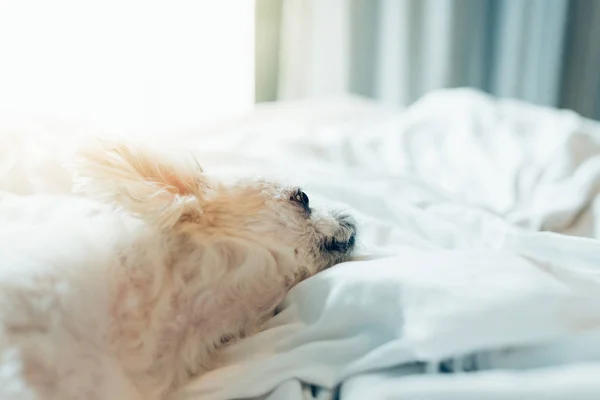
[{"x": 478, "y": 268}]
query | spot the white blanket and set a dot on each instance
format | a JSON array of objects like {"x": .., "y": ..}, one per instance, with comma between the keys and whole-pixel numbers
[
  {"x": 446, "y": 283},
  {"x": 432, "y": 306}
]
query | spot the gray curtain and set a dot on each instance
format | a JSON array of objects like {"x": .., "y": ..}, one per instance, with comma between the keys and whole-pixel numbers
[{"x": 542, "y": 51}]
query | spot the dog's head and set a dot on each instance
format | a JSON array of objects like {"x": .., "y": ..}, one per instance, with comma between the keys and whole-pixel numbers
[{"x": 176, "y": 195}]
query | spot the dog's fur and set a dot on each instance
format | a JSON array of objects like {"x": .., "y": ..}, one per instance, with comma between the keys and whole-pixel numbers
[{"x": 130, "y": 290}]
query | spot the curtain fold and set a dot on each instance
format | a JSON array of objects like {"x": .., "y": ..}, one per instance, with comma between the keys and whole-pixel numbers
[
  {"x": 542, "y": 51},
  {"x": 581, "y": 74}
]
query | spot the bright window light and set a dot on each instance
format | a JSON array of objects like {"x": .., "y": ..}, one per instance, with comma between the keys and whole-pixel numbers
[{"x": 131, "y": 65}]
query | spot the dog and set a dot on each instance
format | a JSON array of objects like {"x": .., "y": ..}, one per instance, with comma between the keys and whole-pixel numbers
[{"x": 132, "y": 287}]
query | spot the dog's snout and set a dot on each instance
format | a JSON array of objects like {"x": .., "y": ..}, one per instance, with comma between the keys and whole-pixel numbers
[
  {"x": 346, "y": 221},
  {"x": 344, "y": 239},
  {"x": 347, "y": 226},
  {"x": 343, "y": 247}
]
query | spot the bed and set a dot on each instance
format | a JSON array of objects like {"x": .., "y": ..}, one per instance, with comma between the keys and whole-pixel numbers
[{"x": 478, "y": 270}]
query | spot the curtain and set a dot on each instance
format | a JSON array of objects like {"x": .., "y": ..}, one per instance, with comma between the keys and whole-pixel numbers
[{"x": 542, "y": 51}]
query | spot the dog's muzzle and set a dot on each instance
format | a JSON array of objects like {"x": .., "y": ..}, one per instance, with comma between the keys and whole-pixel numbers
[{"x": 343, "y": 241}]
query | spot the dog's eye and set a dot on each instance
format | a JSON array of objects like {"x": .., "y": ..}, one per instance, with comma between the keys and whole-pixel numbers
[{"x": 301, "y": 198}]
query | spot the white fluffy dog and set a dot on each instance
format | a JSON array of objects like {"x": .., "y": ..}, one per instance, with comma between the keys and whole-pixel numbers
[{"x": 130, "y": 290}]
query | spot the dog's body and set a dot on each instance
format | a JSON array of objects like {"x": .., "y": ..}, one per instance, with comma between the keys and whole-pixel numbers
[{"x": 131, "y": 292}]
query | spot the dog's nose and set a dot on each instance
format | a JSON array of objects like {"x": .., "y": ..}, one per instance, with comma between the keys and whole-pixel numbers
[
  {"x": 345, "y": 239},
  {"x": 352, "y": 241},
  {"x": 341, "y": 247}
]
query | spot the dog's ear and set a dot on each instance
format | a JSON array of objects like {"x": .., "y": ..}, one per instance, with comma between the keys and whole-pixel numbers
[{"x": 144, "y": 182}]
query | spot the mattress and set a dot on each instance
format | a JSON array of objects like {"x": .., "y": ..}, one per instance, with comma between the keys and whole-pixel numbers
[{"x": 478, "y": 269}]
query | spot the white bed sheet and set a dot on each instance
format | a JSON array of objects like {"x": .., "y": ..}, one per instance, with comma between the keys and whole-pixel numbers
[{"x": 442, "y": 274}]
